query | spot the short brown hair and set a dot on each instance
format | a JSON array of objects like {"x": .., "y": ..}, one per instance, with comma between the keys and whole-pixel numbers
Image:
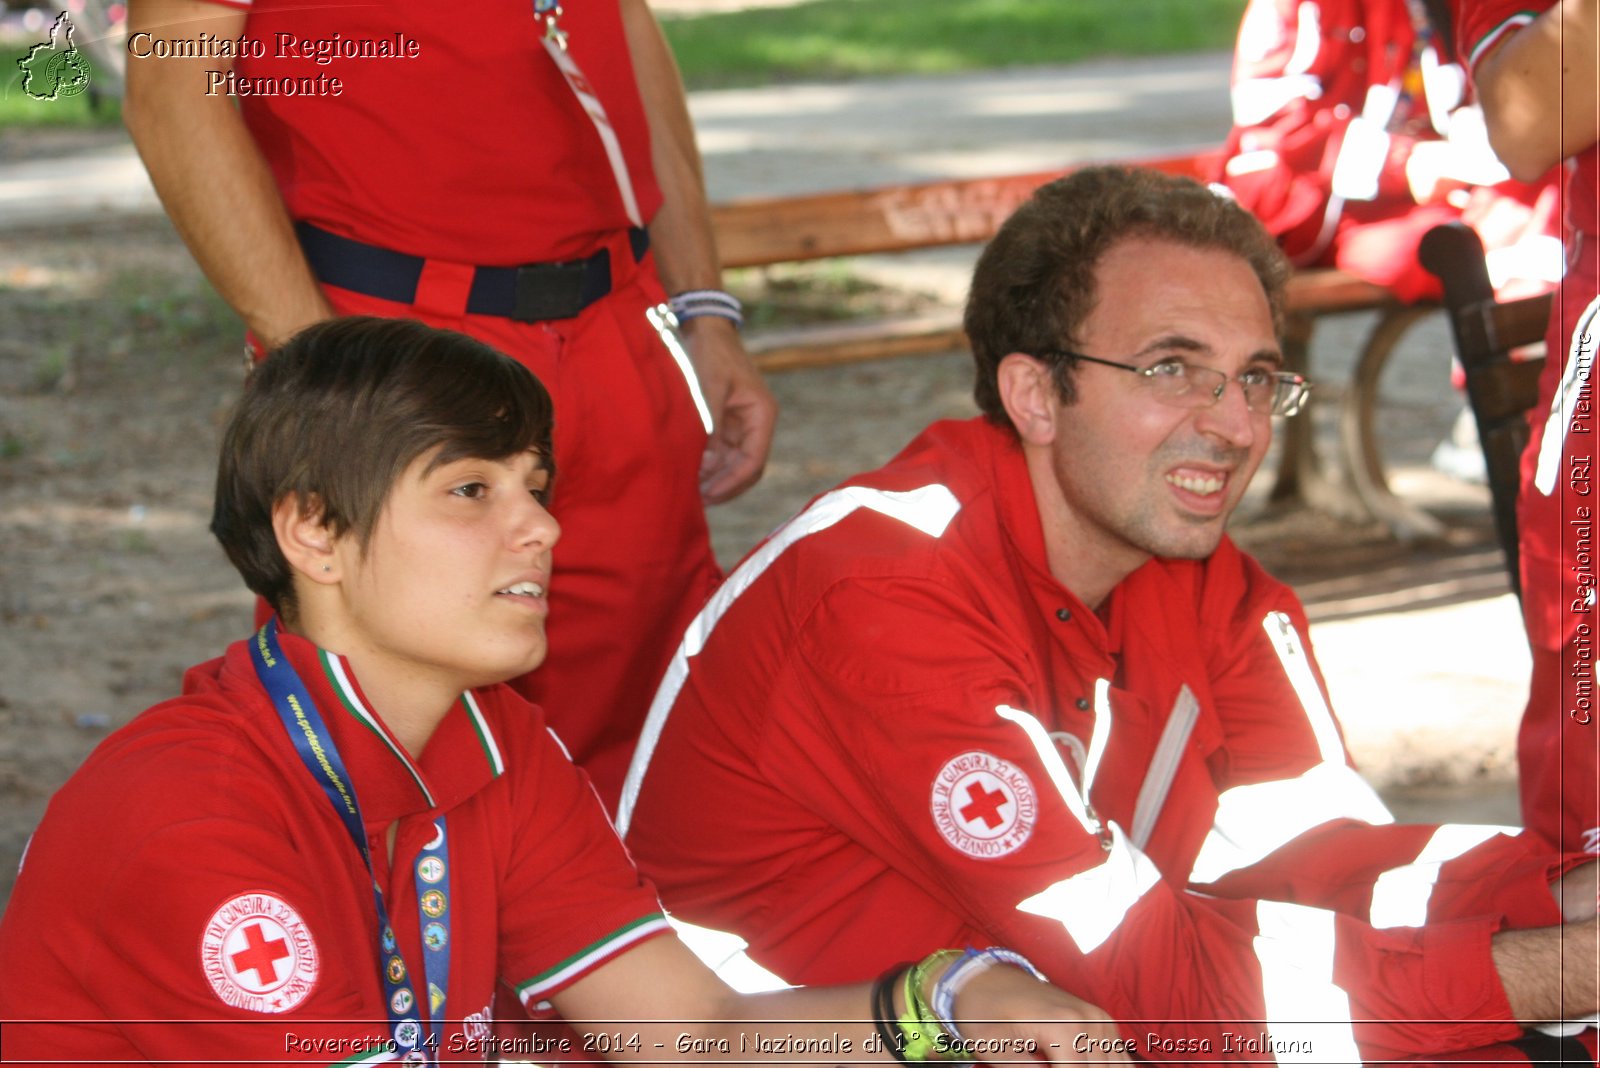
[
  {"x": 341, "y": 410},
  {"x": 1035, "y": 284}
]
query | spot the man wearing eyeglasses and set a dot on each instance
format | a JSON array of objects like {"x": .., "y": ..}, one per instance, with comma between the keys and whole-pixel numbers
[{"x": 1017, "y": 684}]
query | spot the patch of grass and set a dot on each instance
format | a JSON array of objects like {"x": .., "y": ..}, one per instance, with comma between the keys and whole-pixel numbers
[
  {"x": 174, "y": 322},
  {"x": 67, "y": 458},
  {"x": 828, "y": 39},
  {"x": 91, "y": 108},
  {"x": 821, "y": 39},
  {"x": 136, "y": 542},
  {"x": 52, "y": 369},
  {"x": 171, "y": 315}
]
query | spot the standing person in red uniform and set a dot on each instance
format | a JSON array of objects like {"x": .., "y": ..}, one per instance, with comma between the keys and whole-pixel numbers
[
  {"x": 1534, "y": 62},
  {"x": 1350, "y": 140},
  {"x": 434, "y": 162},
  {"x": 329, "y": 848},
  {"x": 1018, "y": 685}
]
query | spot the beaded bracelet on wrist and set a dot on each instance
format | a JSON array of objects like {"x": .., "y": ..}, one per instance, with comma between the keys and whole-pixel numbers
[
  {"x": 698, "y": 303},
  {"x": 972, "y": 963}
]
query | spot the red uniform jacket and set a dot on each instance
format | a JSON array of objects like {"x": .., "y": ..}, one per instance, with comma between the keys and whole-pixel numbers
[{"x": 892, "y": 730}]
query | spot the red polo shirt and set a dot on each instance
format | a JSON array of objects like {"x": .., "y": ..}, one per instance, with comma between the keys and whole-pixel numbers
[
  {"x": 468, "y": 147},
  {"x": 192, "y": 891}
]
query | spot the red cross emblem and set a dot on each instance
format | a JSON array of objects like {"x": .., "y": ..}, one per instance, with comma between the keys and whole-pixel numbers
[
  {"x": 260, "y": 955},
  {"x": 983, "y": 805}
]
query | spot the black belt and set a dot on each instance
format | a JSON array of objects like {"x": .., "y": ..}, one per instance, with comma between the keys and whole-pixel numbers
[{"x": 531, "y": 293}]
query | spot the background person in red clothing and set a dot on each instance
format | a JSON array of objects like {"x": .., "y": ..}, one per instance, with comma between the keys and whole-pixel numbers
[
  {"x": 1353, "y": 136},
  {"x": 1534, "y": 62},
  {"x": 541, "y": 199},
  {"x": 346, "y": 830},
  {"x": 1018, "y": 685}
]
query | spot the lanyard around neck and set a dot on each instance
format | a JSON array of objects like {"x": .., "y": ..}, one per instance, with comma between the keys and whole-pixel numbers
[{"x": 314, "y": 743}]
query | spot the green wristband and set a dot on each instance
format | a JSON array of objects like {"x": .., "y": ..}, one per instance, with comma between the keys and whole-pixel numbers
[{"x": 918, "y": 1025}]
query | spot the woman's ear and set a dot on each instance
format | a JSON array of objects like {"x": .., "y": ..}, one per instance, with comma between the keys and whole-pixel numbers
[{"x": 304, "y": 538}]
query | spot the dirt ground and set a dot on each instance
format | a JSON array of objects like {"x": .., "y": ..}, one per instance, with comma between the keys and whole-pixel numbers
[{"x": 117, "y": 367}]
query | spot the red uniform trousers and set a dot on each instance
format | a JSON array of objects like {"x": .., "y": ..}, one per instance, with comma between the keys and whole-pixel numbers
[
  {"x": 1558, "y": 746},
  {"x": 634, "y": 562}
]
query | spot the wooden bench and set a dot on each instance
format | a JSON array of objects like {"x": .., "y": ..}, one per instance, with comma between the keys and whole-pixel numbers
[
  {"x": 761, "y": 232},
  {"x": 1502, "y": 384}
]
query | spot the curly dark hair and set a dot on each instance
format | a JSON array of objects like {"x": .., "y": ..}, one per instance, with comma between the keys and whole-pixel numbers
[{"x": 1035, "y": 284}]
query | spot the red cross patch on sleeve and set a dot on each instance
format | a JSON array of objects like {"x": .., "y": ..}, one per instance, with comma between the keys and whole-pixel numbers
[
  {"x": 984, "y": 807},
  {"x": 258, "y": 954}
]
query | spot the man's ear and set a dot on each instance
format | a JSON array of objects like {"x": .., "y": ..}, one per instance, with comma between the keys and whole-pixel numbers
[
  {"x": 1028, "y": 392},
  {"x": 304, "y": 538}
]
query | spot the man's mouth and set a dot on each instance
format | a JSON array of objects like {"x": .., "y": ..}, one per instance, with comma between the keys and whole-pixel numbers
[{"x": 1200, "y": 485}]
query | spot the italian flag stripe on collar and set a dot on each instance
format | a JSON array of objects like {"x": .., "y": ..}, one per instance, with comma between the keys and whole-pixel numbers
[
  {"x": 491, "y": 749},
  {"x": 345, "y": 688}
]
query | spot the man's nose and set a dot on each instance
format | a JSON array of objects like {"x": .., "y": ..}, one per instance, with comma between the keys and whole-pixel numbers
[{"x": 1229, "y": 418}]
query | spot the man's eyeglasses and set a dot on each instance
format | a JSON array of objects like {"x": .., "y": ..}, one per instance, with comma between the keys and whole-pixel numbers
[{"x": 1182, "y": 384}]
